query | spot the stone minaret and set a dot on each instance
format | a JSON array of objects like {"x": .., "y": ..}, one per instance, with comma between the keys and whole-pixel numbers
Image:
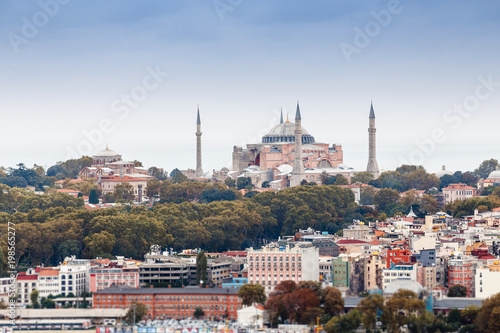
[
  {"x": 199, "y": 169},
  {"x": 372, "y": 155},
  {"x": 298, "y": 172}
]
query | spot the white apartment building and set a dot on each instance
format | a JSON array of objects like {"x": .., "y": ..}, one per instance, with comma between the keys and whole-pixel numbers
[
  {"x": 270, "y": 266},
  {"x": 74, "y": 275},
  {"x": 486, "y": 281},
  {"x": 49, "y": 282},
  {"x": 400, "y": 271}
]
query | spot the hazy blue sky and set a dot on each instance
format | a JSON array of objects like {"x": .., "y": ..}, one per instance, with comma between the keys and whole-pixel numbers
[{"x": 65, "y": 68}]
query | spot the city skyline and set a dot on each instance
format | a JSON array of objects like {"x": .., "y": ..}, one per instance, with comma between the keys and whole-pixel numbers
[{"x": 241, "y": 64}]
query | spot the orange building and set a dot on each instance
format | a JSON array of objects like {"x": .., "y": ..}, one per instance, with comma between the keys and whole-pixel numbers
[
  {"x": 398, "y": 255},
  {"x": 172, "y": 303}
]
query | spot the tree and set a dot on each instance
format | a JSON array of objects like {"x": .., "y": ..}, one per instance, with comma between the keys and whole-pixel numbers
[
  {"x": 341, "y": 180},
  {"x": 346, "y": 323},
  {"x": 124, "y": 192},
  {"x": 363, "y": 177},
  {"x": 198, "y": 313},
  {"x": 397, "y": 310},
  {"x": 201, "y": 268},
  {"x": 47, "y": 303},
  {"x": 367, "y": 194},
  {"x": 333, "y": 303},
  {"x": 177, "y": 176},
  {"x": 139, "y": 310},
  {"x": 370, "y": 307},
  {"x": 487, "y": 319},
  {"x": 266, "y": 184},
  {"x": 485, "y": 168},
  {"x": 457, "y": 291},
  {"x": 100, "y": 244},
  {"x": 93, "y": 197},
  {"x": 230, "y": 182},
  {"x": 252, "y": 293},
  {"x": 137, "y": 164},
  {"x": 384, "y": 197},
  {"x": 244, "y": 183},
  {"x": 34, "y": 299}
]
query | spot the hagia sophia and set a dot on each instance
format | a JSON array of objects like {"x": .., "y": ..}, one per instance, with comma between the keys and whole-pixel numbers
[{"x": 285, "y": 157}]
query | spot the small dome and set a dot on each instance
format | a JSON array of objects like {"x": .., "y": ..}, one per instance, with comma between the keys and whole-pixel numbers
[
  {"x": 107, "y": 153},
  {"x": 495, "y": 174},
  {"x": 285, "y": 132},
  {"x": 444, "y": 172}
]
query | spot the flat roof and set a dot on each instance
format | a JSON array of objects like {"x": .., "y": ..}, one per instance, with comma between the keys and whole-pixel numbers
[{"x": 194, "y": 290}]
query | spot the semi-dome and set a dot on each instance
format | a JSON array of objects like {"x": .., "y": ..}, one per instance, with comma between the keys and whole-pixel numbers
[
  {"x": 285, "y": 132},
  {"x": 495, "y": 174},
  {"x": 444, "y": 172}
]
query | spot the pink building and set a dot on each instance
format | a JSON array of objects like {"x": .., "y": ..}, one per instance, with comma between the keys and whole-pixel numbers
[
  {"x": 271, "y": 266},
  {"x": 112, "y": 273},
  {"x": 459, "y": 191}
]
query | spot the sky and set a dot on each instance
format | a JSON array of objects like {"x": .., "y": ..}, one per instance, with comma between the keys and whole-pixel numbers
[{"x": 77, "y": 75}]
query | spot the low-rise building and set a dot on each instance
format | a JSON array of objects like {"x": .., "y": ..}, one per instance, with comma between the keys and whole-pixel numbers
[{"x": 172, "y": 303}]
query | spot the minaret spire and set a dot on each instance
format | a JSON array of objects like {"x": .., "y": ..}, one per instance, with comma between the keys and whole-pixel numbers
[
  {"x": 372, "y": 166},
  {"x": 281, "y": 119},
  {"x": 298, "y": 171},
  {"x": 199, "y": 169}
]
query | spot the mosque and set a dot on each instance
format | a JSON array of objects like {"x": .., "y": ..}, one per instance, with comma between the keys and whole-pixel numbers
[{"x": 288, "y": 154}]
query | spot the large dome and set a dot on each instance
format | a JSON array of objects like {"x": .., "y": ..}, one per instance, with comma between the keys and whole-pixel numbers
[
  {"x": 285, "y": 132},
  {"x": 444, "y": 172},
  {"x": 495, "y": 174}
]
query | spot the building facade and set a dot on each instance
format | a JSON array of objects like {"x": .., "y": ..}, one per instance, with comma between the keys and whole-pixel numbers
[
  {"x": 172, "y": 303},
  {"x": 271, "y": 266}
]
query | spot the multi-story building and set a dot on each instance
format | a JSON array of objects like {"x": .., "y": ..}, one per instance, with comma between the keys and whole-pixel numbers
[
  {"x": 5, "y": 284},
  {"x": 325, "y": 269},
  {"x": 49, "y": 282},
  {"x": 373, "y": 272},
  {"x": 340, "y": 271},
  {"x": 486, "y": 281},
  {"x": 427, "y": 276},
  {"x": 126, "y": 273},
  {"x": 26, "y": 283},
  {"x": 397, "y": 255},
  {"x": 461, "y": 271},
  {"x": 357, "y": 232},
  {"x": 459, "y": 191},
  {"x": 172, "y": 303},
  {"x": 270, "y": 266},
  {"x": 400, "y": 271},
  {"x": 74, "y": 275},
  {"x": 164, "y": 270}
]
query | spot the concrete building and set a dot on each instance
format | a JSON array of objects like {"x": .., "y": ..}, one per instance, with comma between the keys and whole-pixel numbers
[
  {"x": 486, "y": 281},
  {"x": 400, "y": 271},
  {"x": 461, "y": 271},
  {"x": 26, "y": 283},
  {"x": 114, "y": 273},
  {"x": 375, "y": 265},
  {"x": 360, "y": 231},
  {"x": 270, "y": 266},
  {"x": 49, "y": 282},
  {"x": 340, "y": 271},
  {"x": 74, "y": 275}
]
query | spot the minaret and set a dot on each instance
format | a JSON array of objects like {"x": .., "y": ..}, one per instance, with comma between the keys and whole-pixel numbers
[
  {"x": 281, "y": 119},
  {"x": 199, "y": 169},
  {"x": 372, "y": 166},
  {"x": 298, "y": 172}
]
